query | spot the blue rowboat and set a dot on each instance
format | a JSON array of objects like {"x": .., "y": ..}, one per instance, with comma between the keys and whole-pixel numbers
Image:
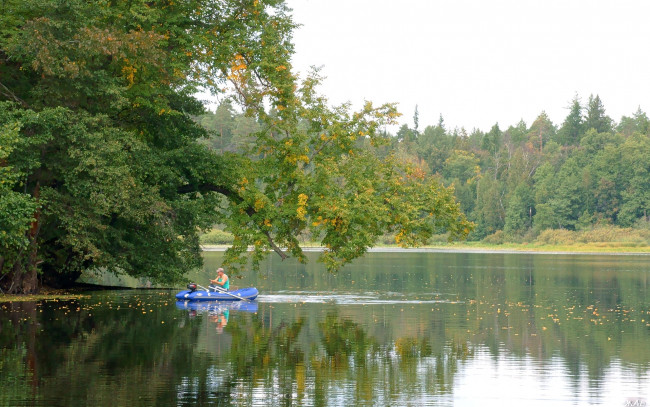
[{"x": 246, "y": 294}]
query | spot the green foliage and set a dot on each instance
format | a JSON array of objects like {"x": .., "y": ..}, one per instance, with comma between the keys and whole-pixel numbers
[
  {"x": 541, "y": 132},
  {"x": 596, "y": 118},
  {"x": 572, "y": 128},
  {"x": 16, "y": 208},
  {"x": 492, "y": 140},
  {"x": 638, "y": 123},
  {"x": 102, "y": 94},
  {"x": 529, "y": 179},
  {"x": 105, "y": 166},
  {"x": 519, "y": 212},
  {"x": 635, "y": 172},
  {"x": 461, "y": 166},
  {"x": 324, "y": 175}
]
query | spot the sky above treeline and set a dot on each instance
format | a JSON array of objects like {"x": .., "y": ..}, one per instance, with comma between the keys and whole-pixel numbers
[{"x": 478, "y": 62}]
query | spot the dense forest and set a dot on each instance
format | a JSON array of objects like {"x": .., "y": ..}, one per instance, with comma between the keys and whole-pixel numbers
[{"x": 515, "y": 182}]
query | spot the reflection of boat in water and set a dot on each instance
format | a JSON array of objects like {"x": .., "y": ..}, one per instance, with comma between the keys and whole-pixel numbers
[{"x": 216, "y": 307}]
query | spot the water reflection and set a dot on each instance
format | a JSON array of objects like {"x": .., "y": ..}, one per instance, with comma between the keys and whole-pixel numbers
[
  {"x": 217, "y": 312},
  {"x": 446, "y": 330}
]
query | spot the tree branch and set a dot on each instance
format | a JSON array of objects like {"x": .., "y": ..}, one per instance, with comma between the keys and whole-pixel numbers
[
  {"x": 5, "y": 91},
  {"x": 275, "y": 247},
  {"x": 230, "y": 194},
  {"x": 205, "y": 187}
]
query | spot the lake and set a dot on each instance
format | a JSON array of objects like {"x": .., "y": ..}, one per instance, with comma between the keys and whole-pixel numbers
[{"x": 392, "y": 329}]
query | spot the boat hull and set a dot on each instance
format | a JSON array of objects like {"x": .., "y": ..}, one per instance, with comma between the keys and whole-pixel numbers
[{"x": 249, "y": 293}]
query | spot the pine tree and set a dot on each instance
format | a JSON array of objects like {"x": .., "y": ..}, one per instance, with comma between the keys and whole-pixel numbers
[
  {"x": 596, "y": 117},
  {"x": 573, "y": 126}
]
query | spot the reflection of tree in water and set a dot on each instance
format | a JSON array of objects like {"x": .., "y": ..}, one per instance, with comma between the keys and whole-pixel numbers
[
  {"x": 65, "y": 352},
  {"x": 70, "y": 353},
  {"x": 407, "y": 366},
  {"x": 261, "y": 357},
  {"x": 584, "y": 321},
  {"x": 19, "y": 367},
  {"x": 287, "y": 364}
]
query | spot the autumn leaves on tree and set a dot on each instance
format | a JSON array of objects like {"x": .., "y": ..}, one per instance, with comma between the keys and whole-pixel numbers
[{"x": 103, "y": 166}]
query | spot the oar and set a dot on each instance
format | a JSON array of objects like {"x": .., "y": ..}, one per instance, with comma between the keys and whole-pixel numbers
[{"x": 221, "y": 290}]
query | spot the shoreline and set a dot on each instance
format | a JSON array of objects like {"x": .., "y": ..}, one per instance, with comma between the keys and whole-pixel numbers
[{"x": 611, "y": 251}]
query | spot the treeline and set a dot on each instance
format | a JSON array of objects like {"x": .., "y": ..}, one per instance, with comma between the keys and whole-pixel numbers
[{"x": 518, "y": 181}]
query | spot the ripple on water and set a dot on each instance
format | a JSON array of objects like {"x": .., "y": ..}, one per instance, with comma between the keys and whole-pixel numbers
[{"x": 365, "y": 298}]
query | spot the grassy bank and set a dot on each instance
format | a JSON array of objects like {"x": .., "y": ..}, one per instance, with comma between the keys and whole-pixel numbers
[
  {"x": 603, "y": 239},
  {"x": 598, "y": 240},
  {"x": 506, "y": 247},
  {"x": 595, "y": 247}
]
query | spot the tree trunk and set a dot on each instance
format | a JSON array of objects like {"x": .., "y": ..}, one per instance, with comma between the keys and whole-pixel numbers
[
  {"x": 30, "y": 277},
  {"x": 30, "y": 281},
  {"x": 16, "y": 275},
  {"x": 23, "y": 278}
]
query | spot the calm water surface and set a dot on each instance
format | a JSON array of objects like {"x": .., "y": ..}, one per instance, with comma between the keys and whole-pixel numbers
[{"x": 393, "y": 329}]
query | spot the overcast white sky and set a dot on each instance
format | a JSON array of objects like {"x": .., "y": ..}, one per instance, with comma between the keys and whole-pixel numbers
[{"x": 478, "y": 62}]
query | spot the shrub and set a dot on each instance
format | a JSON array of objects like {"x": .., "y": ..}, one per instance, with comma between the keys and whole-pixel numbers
[
  {"x": 642, "y": 224},
  {"x": 556, "y": 237},
  {"x": 216, "y": 236},
  {"x": 601, "y": 236},
  {"x": 628, "y": 236},
  {"x": 442, "y": 238},
  {"x": 498, "y": 237},
  {"x": 530, "y": 236}
]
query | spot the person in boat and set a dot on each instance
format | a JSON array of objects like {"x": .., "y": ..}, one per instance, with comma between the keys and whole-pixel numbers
[{"x": 221, "y": 281}]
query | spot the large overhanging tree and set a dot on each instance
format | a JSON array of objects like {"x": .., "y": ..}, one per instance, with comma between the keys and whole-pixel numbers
[{"x": 100, "y": 164}]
